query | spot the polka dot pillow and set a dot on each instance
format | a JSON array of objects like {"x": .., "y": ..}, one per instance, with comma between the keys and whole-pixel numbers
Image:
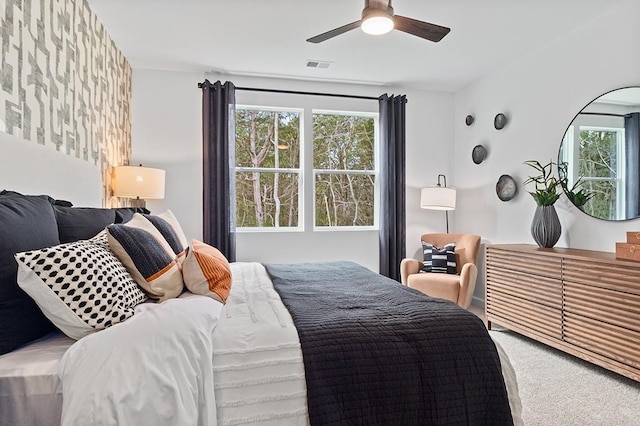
[{"x": 81, "y": 287}]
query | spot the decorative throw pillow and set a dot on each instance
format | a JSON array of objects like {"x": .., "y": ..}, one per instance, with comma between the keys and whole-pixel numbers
[
  {"x": 171, "y": 230},
  {"x": 26, "y": 223},
  {"x": 148, "y": 258},
  {"x": 141, "y": 222},
  {"x": 207, "y": 272},
  {"x": 81, "y": 223},
  {"x": 439, "y": 260},
  {"x": 79, "y": 286}
]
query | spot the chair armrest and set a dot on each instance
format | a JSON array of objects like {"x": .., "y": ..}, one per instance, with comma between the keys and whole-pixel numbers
[
  {"x": 468, "y": 276},
  {"x": 408, "y": 267}
]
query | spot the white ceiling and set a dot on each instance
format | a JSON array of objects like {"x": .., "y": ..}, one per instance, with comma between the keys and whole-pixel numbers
[{"x": 267, "y": 37}]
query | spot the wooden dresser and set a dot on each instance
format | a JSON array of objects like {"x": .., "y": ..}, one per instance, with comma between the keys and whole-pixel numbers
[{"x": 586, "y": 303}]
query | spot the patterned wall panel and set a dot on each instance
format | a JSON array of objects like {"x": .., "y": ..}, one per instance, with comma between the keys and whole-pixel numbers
[{"x": 64, "y": 83}]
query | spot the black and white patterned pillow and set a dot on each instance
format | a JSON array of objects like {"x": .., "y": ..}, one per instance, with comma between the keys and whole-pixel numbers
[
  {"x": 81, "y": 287},
  {"x": 439, "y": 260}
]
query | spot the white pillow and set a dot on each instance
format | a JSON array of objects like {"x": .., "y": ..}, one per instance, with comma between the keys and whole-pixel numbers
[{"x": 80, "y": 287}]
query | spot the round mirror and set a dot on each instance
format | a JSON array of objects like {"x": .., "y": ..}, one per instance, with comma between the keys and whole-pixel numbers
[{"x": 599, "y": 159}]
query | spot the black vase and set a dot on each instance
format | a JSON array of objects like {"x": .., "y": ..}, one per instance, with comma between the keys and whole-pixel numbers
[{"x": 545, "y": 227}]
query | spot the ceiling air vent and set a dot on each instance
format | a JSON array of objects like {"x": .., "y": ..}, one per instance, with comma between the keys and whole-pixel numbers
[{"x": 318, "y": 64}]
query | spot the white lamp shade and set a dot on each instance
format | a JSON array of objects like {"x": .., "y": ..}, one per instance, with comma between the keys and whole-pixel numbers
[
  {"x": 138, "y": 182},
  {"x": 377, "y": 22},
  {"x": 438, "y": 198}
]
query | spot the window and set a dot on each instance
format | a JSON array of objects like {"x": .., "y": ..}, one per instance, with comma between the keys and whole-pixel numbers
[
  {"x": 340, "y": 170},
  {"x": 598, "y": 157},
  {"x": 268, "y": 174},
  {"x": 344, "y": 169}
]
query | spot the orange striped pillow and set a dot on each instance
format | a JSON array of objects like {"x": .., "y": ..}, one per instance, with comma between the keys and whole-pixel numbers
[{"x": 207, "y": 272}]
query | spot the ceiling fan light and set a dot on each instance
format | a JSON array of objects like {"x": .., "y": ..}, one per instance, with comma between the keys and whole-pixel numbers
[{"x": 377, "y": 24}]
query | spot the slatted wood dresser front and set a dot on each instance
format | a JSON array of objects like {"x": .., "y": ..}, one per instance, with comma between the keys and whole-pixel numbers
[{"x": 583, "y": 302}]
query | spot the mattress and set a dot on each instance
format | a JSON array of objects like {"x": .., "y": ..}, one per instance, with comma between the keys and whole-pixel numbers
[{"x": 30, "y": 389}]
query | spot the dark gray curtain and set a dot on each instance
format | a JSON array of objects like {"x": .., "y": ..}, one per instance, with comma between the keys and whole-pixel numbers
[
  {"x": 632, "y": 154},
  {"x": 218, "y": 149},
  {"x": 392, "y": 185}
]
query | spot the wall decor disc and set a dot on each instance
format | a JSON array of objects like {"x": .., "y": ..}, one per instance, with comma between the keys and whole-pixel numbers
[
  {"x": 478, "y": 154},
  {"x": 506, "y": 188},
  {"x": 469, "y": 120},
  {"x": 500, "y": 121}
]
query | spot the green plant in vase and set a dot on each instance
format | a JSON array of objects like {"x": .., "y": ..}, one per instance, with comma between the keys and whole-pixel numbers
[
  {"x": 545, "y": 227},
  {"x": 576, "y": 194},
  {"x": 546, "y": 185}
]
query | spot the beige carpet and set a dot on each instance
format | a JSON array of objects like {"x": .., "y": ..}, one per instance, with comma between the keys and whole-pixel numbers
[{"x": 559, "y": 389}]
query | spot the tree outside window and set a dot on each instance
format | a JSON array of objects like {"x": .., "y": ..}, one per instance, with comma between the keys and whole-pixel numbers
[
  {"x": 267, "y": 168},
  {"x": 597, "y": 160},
  {"x": 344, "y": 162}
]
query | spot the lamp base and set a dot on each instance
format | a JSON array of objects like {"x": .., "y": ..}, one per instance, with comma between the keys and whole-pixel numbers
[{"x": 138, "y": 203}]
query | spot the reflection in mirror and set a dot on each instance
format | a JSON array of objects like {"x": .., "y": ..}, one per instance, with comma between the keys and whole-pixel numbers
[{"x": 601, "y": 147}]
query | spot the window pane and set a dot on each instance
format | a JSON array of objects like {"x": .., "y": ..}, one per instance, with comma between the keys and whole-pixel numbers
[
  {"x": 604, "y": 202},
  {"x": 266, "y": 199},
  {"x": 344, "y": 200},
  {"x": 258, "y": 136},
  {"x": 598, "y": 153},
  {"x": 343, "y": 142}
]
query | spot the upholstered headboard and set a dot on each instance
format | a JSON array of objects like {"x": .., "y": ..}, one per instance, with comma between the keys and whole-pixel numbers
[{"x": 30, "y": 168}]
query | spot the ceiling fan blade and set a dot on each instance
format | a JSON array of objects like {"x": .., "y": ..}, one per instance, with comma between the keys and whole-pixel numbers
[
  {"x": 421, "y": 29},
  {"x": 335, "y": 32}
]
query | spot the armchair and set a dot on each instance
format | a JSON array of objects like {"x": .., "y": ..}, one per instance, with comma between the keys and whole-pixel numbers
[{"x": 457, "y": 288}]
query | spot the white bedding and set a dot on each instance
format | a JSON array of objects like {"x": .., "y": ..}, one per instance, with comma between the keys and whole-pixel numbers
[
  {"x": 153, "y": 369},
  {"x": 258, "y": 368},
  {"x": 30, "y": 391}
]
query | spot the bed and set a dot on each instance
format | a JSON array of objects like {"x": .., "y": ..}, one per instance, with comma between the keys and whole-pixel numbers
[{"x": 293, "y": 345}]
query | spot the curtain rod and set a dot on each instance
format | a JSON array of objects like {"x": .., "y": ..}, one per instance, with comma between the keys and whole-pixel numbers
[
  {"x": 610, "y": 114},
  {"x": 295, "y": 92}
]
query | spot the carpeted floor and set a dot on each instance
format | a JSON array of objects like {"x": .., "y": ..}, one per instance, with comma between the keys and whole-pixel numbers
[{"x": 560, "y": 389}]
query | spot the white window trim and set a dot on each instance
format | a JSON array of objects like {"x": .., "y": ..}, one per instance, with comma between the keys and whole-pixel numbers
[
  {"x": 375, "y": 172},
  {"x": 299, "y": 171}
]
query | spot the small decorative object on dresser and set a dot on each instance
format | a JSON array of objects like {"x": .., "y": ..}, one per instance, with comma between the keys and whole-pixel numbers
[
  {"x": 545, "y": 227},
  {"x": 629, "y": 250}
]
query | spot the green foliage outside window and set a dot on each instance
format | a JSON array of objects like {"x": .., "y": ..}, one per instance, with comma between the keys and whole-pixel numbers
[
  {"x": 598, "y": 167},
  {"x": 267, "y": 141},
  {"x": 344, "y": 160},
  {"x": 269, "y": 170}
]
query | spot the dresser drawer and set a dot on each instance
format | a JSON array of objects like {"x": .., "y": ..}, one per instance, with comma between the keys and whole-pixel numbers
[
  {"x": 527, "y": 262},
  {"x": 536, "y": 289},
  {"x": 617, "y": 343},
  {"x": 539, "y": 318},
  {"x": 620, "y": 276},
  {"x": 608, "y": 306}
]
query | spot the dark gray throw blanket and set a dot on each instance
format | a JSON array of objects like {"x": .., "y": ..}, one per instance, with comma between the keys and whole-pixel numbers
[{"x": 378, "y": 353}]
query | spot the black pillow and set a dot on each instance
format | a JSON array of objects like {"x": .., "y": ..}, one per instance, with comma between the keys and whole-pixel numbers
[
  {"x": 48, "y": 198},
  {"x": 26, "y": 223},
  {"x": 82, "y": 223},
  {"x": 439, "y": 260},
  {"x": 124, "y": 214}
]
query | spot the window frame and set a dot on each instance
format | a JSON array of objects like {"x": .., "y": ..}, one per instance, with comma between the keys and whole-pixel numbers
[
  {"x": 571, "y": 152},
  {"x": 375, "y": 172},
  {"x": 299, "y": 171}
]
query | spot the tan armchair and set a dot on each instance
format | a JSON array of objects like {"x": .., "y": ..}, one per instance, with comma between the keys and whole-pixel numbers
[{"x": 457, "y": 288}]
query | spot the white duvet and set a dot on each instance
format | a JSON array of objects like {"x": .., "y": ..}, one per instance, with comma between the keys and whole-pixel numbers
[{"x": 153, "y": 369}]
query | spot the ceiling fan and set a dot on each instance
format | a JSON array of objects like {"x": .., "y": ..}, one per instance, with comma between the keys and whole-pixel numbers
[{"x": 378, "y": 18}]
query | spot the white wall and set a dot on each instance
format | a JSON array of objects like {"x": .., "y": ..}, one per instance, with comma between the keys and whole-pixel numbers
[
  {"x": 167, "y": 133},
  {"x": 540, "y": 93}
]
